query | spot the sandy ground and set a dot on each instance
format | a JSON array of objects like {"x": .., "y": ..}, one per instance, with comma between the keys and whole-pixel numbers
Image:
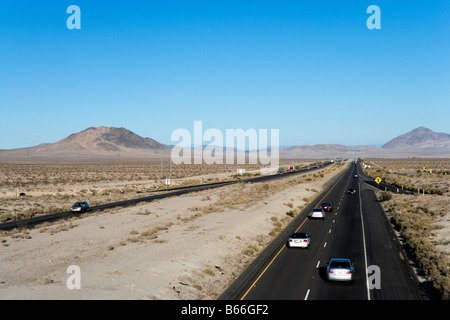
[
  {"x": 50, "y": 188},
  {"x": 183, "y": 247}
]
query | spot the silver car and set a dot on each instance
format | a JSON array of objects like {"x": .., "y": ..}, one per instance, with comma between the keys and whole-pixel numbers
[
  {"x": 317, "y": 213},
  {"x": 340, "y": 269},
  {"x": 299, "y": 239}
]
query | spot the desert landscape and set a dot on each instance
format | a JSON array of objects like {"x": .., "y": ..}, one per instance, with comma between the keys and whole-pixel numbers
[
  {"x": 118, "y": 120},
  {"x": 191, "y": 246},
  {"x": 419, "y": 212},
  {"x": 49, "y": 187},
  {"x": 187, "y": 247},
  {"x": 169, "y": 249}
]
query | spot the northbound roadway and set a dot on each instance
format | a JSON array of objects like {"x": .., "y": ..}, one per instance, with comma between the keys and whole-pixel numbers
[{"x": 357, "y": 229}]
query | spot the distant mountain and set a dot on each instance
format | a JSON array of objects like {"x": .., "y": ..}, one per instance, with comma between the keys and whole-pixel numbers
[
  {"x": 107, "y": 139},
  {"x": 418, "y": 138},
  {"x": 420, "y": 142},
  {"x": 120, "y": 143},
  {"x": 319, "y": 151},
  {"x": 92, "y": 143}
]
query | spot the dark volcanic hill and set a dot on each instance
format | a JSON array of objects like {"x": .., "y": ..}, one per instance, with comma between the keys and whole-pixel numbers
[
  {"x": 420, "y": 142},
  {"x": 107, "y": 139},
  {"x": 92, "y": 143},
  {"x": 419, "y": 137}
]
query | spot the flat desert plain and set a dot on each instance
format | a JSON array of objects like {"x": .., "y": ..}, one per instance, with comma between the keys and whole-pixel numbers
[{"x": 187, "y": 247}]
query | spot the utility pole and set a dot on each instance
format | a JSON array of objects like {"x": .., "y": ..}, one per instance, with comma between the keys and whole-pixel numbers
[{"x": 160, "y": 155}]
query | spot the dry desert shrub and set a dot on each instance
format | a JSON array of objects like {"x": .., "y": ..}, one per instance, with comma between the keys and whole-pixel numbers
[
  {"x": 55, "y": 186},
  {"x": 91, "y": 172},
  {"x": 416, "y": 225},
  {"x": 429, "y": 176},
  {"x": 418, "y": 217},
  {"x": 153, "y": 232}
]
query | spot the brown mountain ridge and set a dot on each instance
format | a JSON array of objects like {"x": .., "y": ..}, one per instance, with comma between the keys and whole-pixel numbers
[
  {"x": 420, "y": 136},
  {"x": 108, "y": 139},
  {"x": 92, "y": 143},
  {"x": 120, "y": 143}
]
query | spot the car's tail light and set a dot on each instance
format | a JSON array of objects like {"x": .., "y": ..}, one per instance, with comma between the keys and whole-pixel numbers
[
  {"x": 330, "y": 271},
  {"x": 305, "y": 240},
  {"x": 349, "y": 272}
]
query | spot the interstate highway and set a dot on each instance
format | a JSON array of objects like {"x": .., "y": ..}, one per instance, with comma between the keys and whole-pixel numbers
[{"x": 357, "y": 229}]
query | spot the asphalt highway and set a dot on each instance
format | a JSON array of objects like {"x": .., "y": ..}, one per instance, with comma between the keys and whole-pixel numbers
[{"x": 357, "y": 229}]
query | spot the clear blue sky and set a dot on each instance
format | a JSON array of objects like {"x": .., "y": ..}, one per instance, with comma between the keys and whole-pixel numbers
[{"x": 311, "y": 69}]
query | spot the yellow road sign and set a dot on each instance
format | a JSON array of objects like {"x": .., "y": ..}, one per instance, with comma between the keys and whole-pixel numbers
[{"x": 378, "y": 180}]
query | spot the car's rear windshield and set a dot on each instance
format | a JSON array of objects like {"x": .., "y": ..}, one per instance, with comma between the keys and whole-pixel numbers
[
  {"x": 326, "y": 203},
  {"x": 317, "y": 210},
  {"x": 339, "y": 264},
  {"x": 299, "y": 235}
]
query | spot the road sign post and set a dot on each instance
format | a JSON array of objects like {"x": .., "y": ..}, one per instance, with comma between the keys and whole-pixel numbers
[{"x": 378, "y": 180}]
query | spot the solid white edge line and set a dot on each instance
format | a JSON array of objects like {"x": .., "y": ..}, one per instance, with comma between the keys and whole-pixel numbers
[{"x": 364, "y": 241}]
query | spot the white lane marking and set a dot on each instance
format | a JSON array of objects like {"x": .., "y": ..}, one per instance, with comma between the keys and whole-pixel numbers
[
  {"x": 317, "y": 266},
  {"x": 307, "y": 294},
  {"x": 329, "y": 231},
  {"x": 325, "y": 245},
  {"x": 364, "y": 241}
]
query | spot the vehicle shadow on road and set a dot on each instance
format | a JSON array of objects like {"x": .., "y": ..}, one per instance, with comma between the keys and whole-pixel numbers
[{"x": 323, "y": 273}]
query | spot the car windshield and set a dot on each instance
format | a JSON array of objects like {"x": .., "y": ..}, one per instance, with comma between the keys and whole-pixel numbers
[
  {"x": 326, "y": 204},
  {"x": 317, "y": 210},
  {"x": 340, "y": 264},
  {"x": 299, "y": 235},
  {"x": 78, "y": 204}
]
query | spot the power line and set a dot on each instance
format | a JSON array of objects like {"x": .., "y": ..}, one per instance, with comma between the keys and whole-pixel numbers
[
  {"x": 31, "y": 135},
  {"x": 20, "y": 136}
]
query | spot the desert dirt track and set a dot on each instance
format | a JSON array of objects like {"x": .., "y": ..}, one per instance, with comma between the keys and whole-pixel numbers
[{"x": 187, "y": 247}]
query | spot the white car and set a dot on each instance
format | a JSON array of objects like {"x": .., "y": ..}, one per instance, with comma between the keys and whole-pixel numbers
[
  {"x": 299, "y": 240},
  {"x": 317, "y": 213}
]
